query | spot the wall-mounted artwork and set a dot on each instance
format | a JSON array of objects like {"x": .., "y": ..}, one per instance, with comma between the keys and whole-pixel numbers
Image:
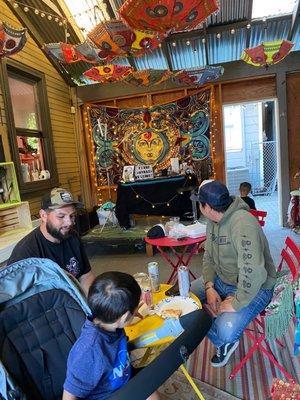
[{"x": 152, "y": 136}]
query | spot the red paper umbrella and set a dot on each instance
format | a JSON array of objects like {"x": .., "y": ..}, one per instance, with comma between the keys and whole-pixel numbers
[
  {"x": 167, "y": 15},
  {"x": 108, "y": 73},
  {"x": 70, "y": 53},
  {"x": 148, "y": 77},
  {"x": 11, "y": 40},
  {"x": 267, "y": 53},
  {"x": 198, "y": 76},
  {"x": 115, "y": 39}
]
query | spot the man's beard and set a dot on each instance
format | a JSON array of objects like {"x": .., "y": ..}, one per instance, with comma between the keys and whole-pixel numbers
[{"x": 56, "y": 233}]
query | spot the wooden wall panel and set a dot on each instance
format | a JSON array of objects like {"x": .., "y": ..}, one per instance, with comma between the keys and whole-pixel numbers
[
  {"x": 131, "y": 102},
  {"x": 293, "y": 118},
  {"x": 167, "y": 97},
  {"x": 248, "y": 90},
  {"x": 62, "y": 120}
]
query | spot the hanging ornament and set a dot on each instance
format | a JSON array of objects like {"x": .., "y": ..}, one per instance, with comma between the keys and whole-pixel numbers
[
  {"x": 267, "y": 53},
  {"x": 148, "y": 77},
  {"x": 115, "y": 39},
  {"x": 198, "y": 76},
  {"x": 11, "y": 40},
  {"x": 170, "y": 15},
  {"x": 108, "y": 74},
  {"x": 70, "y": 53}
]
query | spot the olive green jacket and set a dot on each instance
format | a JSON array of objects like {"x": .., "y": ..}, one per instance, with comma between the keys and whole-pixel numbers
[{"x": 237, "y": 251}]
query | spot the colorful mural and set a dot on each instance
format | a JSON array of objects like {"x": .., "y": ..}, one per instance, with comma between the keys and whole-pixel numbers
[{"x": 152, "y": 136}]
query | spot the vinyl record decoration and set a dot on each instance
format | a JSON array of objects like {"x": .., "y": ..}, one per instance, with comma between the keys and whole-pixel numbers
[{"x": 11, "y": 40}]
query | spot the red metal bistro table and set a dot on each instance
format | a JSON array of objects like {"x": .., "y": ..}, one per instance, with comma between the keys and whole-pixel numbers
[{"x": 190, "y": 247}]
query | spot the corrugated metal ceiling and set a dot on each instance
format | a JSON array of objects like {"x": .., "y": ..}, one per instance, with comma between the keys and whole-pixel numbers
[{"x": 221, "y": 45}]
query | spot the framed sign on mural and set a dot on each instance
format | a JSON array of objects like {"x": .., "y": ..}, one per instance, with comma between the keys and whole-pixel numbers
[
  {"x": 143, "y": 172},
  {"x": 128, "y": 173}
]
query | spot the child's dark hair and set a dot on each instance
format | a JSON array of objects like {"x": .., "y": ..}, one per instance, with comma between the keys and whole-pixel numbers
[
  {"x": 245, "y": 186},
  {"x": 112, "y": 294}
]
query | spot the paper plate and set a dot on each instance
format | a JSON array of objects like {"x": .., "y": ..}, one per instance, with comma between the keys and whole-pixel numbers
[{"x": 184, "y": 304}]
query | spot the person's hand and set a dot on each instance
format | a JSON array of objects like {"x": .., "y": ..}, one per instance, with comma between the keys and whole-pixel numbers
[
  {"x": 226, "y": 305},
  {"x": 213, "y": 299}
]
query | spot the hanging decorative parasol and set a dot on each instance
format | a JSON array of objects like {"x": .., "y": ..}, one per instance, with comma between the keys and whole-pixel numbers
[
  {"x": 11, "y": 40},
  {"x": 198, "y": 76},
  {"x": 108, "y": 73},
  {"x": 115, "y": 39},
  {"x": 148, "y": 77},
  {"x": 70, "y": 53},
  {"x": 168, "y": 15},
  {"x": 267, "y": 53}
]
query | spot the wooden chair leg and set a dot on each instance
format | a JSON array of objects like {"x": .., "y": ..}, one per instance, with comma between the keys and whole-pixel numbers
[{"x": 149, "y": 250}]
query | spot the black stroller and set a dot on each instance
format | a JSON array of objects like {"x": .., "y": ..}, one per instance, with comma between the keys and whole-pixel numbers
[{"x": 42, "y": 311}]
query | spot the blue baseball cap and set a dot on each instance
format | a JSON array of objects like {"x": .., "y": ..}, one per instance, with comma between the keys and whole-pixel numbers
[{"x": 213, "y": 193}]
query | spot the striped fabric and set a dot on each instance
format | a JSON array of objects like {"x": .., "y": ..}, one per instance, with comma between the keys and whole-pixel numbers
[{"x": 254, "y": 380}]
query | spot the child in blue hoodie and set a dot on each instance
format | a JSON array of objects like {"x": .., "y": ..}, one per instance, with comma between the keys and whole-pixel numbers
[{"x": 98, "y": 363}]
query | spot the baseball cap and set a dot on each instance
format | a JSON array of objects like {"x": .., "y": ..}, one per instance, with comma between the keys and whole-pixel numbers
[
  {"x": 57, "y": 198},
  {"x": 214, "y": 193},
  {"x": 194, "y": 196}
]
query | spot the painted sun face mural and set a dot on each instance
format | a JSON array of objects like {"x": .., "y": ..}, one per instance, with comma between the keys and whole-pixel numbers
[
  {"x": 177, "y": 129},
  {"x": 150, "y": 147}
]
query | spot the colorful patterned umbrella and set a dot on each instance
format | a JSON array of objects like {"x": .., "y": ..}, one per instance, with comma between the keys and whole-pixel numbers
[
  {"x": 199, "y": 76},
  {"x": 115, "y": 39},
  {"x": 267, "y": 53},
  {"x": 11, "y": 40},
  {"x": 167, "y": 15},
  {"x": 70, "y": 53},
  {"x": 108, "y": 73},
  {"x": 148, "y": 77}
]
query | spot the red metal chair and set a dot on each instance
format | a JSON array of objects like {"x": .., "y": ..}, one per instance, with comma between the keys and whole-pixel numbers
[
  {"x": 260, "y": 216},
  {"x": 290, "y": 257}
]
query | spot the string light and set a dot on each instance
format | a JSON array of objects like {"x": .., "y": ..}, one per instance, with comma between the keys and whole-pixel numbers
[{"x": 42, "y": 13}]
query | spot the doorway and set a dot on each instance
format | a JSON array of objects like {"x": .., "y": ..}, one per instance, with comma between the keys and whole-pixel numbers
[{"x": 251, "y": 153}]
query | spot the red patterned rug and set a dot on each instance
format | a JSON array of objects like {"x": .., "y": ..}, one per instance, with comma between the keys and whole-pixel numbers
[{"x": 253, "y": 382}]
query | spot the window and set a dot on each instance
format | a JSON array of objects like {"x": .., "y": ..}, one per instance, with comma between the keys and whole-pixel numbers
[
  {"x": 233, "y": 128},
  {"x": 29, "y": 127}
]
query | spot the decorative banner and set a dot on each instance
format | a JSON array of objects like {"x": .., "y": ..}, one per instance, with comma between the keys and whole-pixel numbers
[
  {"x": 267, "y": 53},
  {"x": 115, "y": 39},
  {"x": 152, "y": 136},
  {"x": 148, "y": 77},
  {"x": 167, "y": 15},
  {"x": 11, "y": 40},
  {"x": 108, "y": 73},
  {"x": 198, "y": 76},
  {"x": 70, "y": 53}
]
